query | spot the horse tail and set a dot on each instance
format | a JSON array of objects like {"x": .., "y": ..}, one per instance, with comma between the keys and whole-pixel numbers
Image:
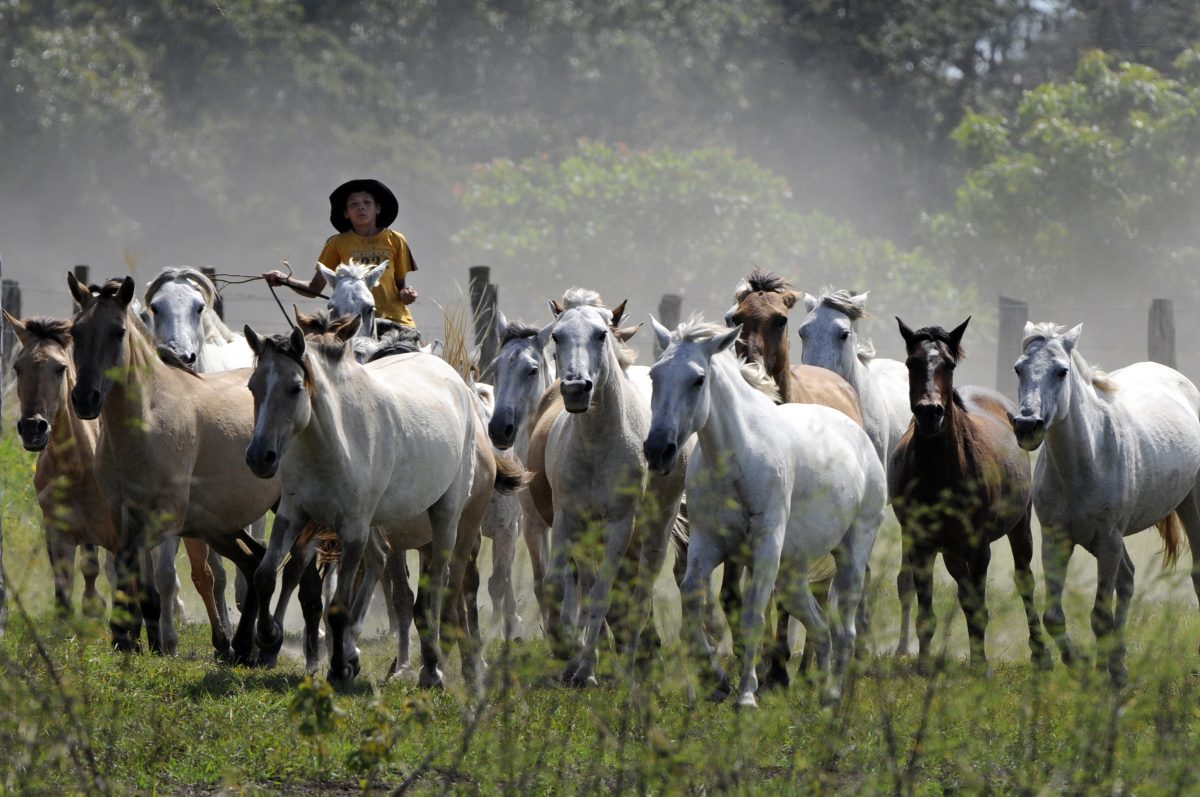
[
  {"x": 511, "y": 475},
  {"x": 1171, "y": 531},
  {"x": 681, "y": 532}
]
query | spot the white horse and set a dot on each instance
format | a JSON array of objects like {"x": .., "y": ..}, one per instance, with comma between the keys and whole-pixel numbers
[
  {"x": 361, "y": 446},
  {"x": 180, "y": 308},
  {"x": 597, "y": 472},
  {"x": 350, "y": 289},
  {"x": 831, "y": 340},
  {"x": 775, "y": 485},
  {"x": 1122, "y": 453}
]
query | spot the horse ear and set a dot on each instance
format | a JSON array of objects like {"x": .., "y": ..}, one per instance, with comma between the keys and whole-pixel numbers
[
  {"x": 79, "y": 291},
  {"x": 725, "y": 340},
  {"x": 661, "y": 334},
  {"x": 501, "y": 324},
  {"x": 810, "y": 302},
  {"x": 376, "y": 274},
  {"x": 18, "y": 327},
  {"x": 791, "y": 296},
  {"x": 329, "y": 274},
  {"x": 556, "y": 308},
  {"x": 618, "y": 312},
  {"x": 906, "y": 333},
  {"x": 860, "y": 298},
  {"x": 741, "y": 291},
  {"x": 956, "y": 335},
  {"x": 1029, "y": 329},
  {"x": 623, "y": 334},
  {"x": 125, "y": 293},
  {"x": 252, "y": 339},
  {"x": 729, "y": 315},
  {"x": 348, "y": 328},
  {"x": 297, "y": 341},
  {"x": 543, "y": 335},
  {"x": 1071, "y": 337}
]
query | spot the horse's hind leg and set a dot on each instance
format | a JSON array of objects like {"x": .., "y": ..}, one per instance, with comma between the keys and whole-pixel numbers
[
  {"x": 1189, "y": 516},
  {"x": 257, "y": 530},
  {"x": 220, "y": 581},
  {"x": 906, "y": 588},
  {"x": 200, "y": 558},
  {"x": 500, "y": 586},
  {"x": 1020, "y": 538},
  {"x": 151, "y": 605},
  {"x": 344, "y": 664},
  {"x": 166, "y": 583},
  {"x": 777, "y": 653},
  {"x": 89, "y": 566},
  {"x": 311, "y": 606},
  {"x": 62, "y": 566},
  {"x": 427, "y": 623},
  {"x": 247, "y": 554},
  {"x": 401, "y": 606}
]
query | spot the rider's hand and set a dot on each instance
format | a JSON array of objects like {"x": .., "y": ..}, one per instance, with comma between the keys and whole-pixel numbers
[
  {"x": 275, "y": 278},
  {"x": 408, "y": 295}
]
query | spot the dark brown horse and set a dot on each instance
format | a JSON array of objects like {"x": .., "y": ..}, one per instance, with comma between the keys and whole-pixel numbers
[
  {"x": 959, "y": 481},
  {"x": 764, "y": 301}
]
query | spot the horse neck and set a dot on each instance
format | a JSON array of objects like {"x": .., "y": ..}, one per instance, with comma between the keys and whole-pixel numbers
[
  {"x": 607, "y": 408},
  {"x": 142, "y": 377},
  {"x": 1074, "y": 442},
  {"x": 324, "y": 439},
  {"x": 71, "y": 433},
  {"x": 951, "y": 454},
  {"x": 783, "y": 371},
  {"x": 735, "y": 409}
]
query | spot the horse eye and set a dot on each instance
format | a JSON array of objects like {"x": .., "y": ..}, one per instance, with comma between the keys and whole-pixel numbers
[
  {"x": 60, "y": 369},
  {"x": 1061, "y": 373},
  {"x": 845, "y": 334},
  {"x": 781, "y": 321},
  {"x": 119, "y": 332},
  {"x": 533, "y": 369},
  {"x": 199, "y": 309},
  {"x": 600, "y": 335},
  {"x": 699, "y": 381},
  {"x": 294, "y": 390}
]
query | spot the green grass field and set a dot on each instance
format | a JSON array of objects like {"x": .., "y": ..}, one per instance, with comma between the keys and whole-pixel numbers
[{"x": 78, "y": 718}]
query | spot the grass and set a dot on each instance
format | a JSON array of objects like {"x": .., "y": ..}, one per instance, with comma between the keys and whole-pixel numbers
[{"x": 78, "y": 718}]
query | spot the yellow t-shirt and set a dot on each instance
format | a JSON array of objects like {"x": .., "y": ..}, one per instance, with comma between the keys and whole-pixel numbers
[{"x": 372, "y": 250}]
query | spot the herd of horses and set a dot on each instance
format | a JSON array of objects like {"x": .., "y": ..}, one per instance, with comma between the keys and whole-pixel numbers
[{"x": 156, "y": 423}]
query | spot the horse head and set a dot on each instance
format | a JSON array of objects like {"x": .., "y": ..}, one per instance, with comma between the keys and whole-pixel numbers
[
  {"x": 680, "y": 401},
  {"x": 1047, "y": 359},
  {"x": 177, "y": 301},
  {"x": 43, "y": 370},
  {"x": 829, "y": 331},
  {"x": 520, "y": 374},
  {"x": 764, "y": 301},
  {"x": 933, "y": 354},
  {"x": 589, "y": 346},
  {"x": 350, "y": 292},
  {"x": 100, "y": 335}
]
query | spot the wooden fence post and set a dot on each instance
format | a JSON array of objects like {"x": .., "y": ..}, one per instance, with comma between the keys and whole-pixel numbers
[
  {"x": 10, "y": 297},
  {"x": 483, "y": 312},
  {"x": 670, "y": 307},
  {"x": 1160, "y": 338},
  {"x": 1014, "y": 313},
  {"x": 218, "y": 303},
  {"x": 81, "y": 274}
]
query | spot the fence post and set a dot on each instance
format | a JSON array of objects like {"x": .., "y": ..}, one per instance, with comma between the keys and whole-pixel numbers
[
  {"x": 81, "y": 274},
  {"x": 10, "y": 297},
  {"x": 218, "y": 302},
  {"x": 483, "y": 312},
  {"x": 1014, "y": 313},
  {"x": 1160, "y": 338},
  {"x": 670, "y": 307}
]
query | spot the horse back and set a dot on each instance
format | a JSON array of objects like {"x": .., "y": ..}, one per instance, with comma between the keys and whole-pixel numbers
[{"x": 813, "y": 385}]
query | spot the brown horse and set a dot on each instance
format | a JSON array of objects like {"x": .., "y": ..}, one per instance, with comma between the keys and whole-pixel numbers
[
  {"x": 170, "y": 458},
  {"x": 764, "y": 302},
  {"x": 959, "y": 482},
  {"x": 74, "y": 511}
]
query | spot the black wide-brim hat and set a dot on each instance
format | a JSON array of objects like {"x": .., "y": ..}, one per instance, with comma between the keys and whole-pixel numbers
[{"x": 388, "y": 206}]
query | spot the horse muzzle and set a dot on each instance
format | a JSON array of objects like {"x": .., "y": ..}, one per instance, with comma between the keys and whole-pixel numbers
[
  {"x": 1030, "y": 431},
  {"x": 929, "y": 418},
  {"x": 86, "y": 402},
  {"x": 262, "y": 461},
  {"x": 34, "y": 431},
  {"x": 576, "y": 394},
  {"x": 502, "y": 431},
  {"x": 661, "y": 452}
]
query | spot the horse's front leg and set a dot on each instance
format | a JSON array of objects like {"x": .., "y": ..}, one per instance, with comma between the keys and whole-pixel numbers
[
  {"x": 89, "y": 565},
  {"x": 1021, "y": 541},
  {"x": 401, "y": 599},
  {"x": 148, "y": 601},
  {"x": 921, "y": 561},
  {"x": 126, "y": 620},
  {"x": 1056, "y": 555},
  {"x": 537, "y": 539},
  {"x": 1110, "y": 569},
  {"x": 768, "y": 545},
  {"x": 559, "y": 579},
  {"x": 504, "y": 547},
  {"x": 61, "y": 551},
  {"x": 704, "y": 554},
  {"x": 247, "y": 555},
  {"x": 443, "y": 518},
  {"x": 971, "y": 577},
  {"x": 269, "y": 636},
  {"x": 200, "y": 557},
  {"x": 345, "y": 663},
  {"x": 581, "y": 671}
]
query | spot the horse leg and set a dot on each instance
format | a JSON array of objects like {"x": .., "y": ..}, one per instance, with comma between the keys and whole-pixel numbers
[
  {"x": 167, "y": 585},
  {"x": 257, "y": 530},
  {"x": 402, "y": 606},
  {"x": 1189, "y": 516},
  {"x": 150, "y": 605},
  {"x": 846, "y": 595},
  {"x": 921, "y": 562},
  {"x": 537, "y": 538},
  {"x": 500, "y": 586},
  {"x": 970, "y": 575},
  {"x": 581, "y": 670},
  {"x": 200, "y": 558},
  {"x": 731, "y": 604},
  {"x": 311, "y": 607},
  {"x": 443, "y": 518},
  {"x": 431, "y": 673},
  {"x": 767, "y": 549},
  {"x": 820, "y": 591},
  {"x": 61, "y": 551},
  {"x": 863, "y": 621},
  {"x": 1110, "y": 556},
  {"x": 560, "y": 579},
  {"x": 220, "y": 581},
  {"x": 704, "y": 554},
  {"x": 344, "y": 664},
  {"x": 906, "y": 588},
  {"x": 89, "y": 565},
  {"x": 797, "y": 596},
  {"x": 1056, "y": 554},
  {"x": 777, "y": 653},
  {"x": 1020, "y": 539},
  {"x": 269, "y": 636},
  {"x": 248, "y": 555},
  {"x": 126, "y": 620}
]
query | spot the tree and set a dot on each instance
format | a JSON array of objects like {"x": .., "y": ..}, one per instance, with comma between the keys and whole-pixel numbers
[{"x": 1092, "y": 183}]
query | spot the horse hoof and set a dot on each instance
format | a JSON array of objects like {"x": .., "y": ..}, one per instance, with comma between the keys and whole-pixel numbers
[
  {"x": 430, "y": 679},
  {"x": 746, "y": 700},
  {"x": 830, "y": 698},
  {"x": 1042, "y": 660},
  {"x": 127, "y": 646}
]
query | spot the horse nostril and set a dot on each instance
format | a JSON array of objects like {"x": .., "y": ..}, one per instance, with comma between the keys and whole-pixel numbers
[
  {"x": 190, "y": 358},
  {"x": 509, "y": 431},
  {"x": 270, "y": 457},
  {"x": 41, "y": 426}
]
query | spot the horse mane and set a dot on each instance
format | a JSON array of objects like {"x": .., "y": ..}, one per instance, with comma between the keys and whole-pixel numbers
[
  {"x": 319, "y": 330},
  {"x": 214, "y": 328},
  {"x": 353, "y": 269},
  {"x": 697, "y": 330},
  {"x": 842, "y": 300},
  {"x": 583, "y": 297},
  {"x": 767, "y": 281},
  {"x": 56, "y": 330},
  {"x": 936, "y": 334},
  {"x": 518, "y": 330},
  {"x": 1048, "y": 330}
]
